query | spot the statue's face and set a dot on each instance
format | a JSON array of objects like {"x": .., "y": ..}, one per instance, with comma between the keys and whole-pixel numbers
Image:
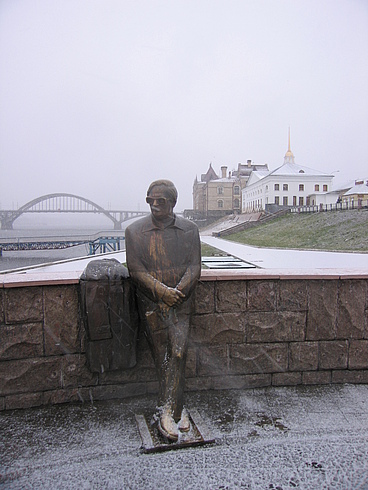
[{"x": 160, "y": 203}]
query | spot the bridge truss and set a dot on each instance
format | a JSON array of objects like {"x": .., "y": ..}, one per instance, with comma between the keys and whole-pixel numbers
[
  {"x": 98, "y": 245},
  {"x": 65, "y": 203}
]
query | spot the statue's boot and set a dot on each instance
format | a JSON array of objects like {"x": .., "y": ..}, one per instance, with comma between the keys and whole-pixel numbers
[
  {"x": 184, "y": 423},
  {"x": 167, "y": 425}
]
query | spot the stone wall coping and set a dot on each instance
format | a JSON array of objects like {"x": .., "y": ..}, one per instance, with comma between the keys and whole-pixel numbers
[
  {"x": 282, "y": 274},
  {"x": 23, "y": 279},
  {"x": 27, "y": 279}
]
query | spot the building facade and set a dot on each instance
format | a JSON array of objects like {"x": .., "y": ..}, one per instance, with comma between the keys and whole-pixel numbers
[
  {"x": 288, "y": 185},
  {"x": 357, "y": 195},
  {"x": 215, "y": 196}
]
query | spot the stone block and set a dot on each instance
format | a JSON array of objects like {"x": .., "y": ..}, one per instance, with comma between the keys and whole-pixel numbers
[
  {"x": 282, "y": 326},
  {"x": 241, "y": 382},
  {"x": 21, "y": 341},
  {"x": 258, "y": 358},
  {"x": 144, "y": 355},
  {"x": 28, "y": 375},
  {"x": 292, "y": 295},
  {"x": 351, "y": 319},
  {"x": 350, "y": 377},
  {"x": 262, "y": 295},
  {"x": 321, "y": 319},
  {"x": 358, "y": 354},
  {"x": 199, "y": 384},
  {"x": 218, "y": 328},
  {"x": 61, "y": 320},
  {"x": 74, "y": 372},
  {"x": 2, "y": 319},
  {"x": 82, "y": 336},
  {"x": 213, "y": 361},
  {"x": 191, "y": 364},
  {"x": 71, "y": 395},
  {"x": 23, "y": 305},
  {"x": 286, "y": 379},
  {"x": 111, "y": 392},
  {"x": 25, "y": 400},
  {"x": 316, "y": 378},
  {"x": 333, "y": 355},
  {"x": 204, "y": 297},
  {"x": 303, "y": 356},
  {"x": 152, "y": 387},
  {"x": 138, "y": 374},
  {"x": 231, "y": 296}
]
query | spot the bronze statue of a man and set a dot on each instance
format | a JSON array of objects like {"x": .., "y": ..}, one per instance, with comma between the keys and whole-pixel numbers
[{"x": 164, "y": 261}]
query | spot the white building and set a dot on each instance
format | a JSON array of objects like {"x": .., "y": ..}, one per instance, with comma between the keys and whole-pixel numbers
[
  {"x": 358, "y": 194},
  {"x": 288, "y": 185}
]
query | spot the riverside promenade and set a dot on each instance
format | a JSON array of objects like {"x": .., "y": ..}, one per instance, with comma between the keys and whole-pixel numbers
[
  {"x": 273, "y": 258},
  {"x": 305, "y": 437},
  {"x": 308, "y": 438}
]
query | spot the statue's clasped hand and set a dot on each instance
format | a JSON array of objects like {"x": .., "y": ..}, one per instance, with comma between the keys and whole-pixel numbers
[{"x": 173, "y": 297}]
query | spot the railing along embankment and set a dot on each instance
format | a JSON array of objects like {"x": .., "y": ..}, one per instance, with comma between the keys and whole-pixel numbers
[{"x": 265, "y": 217}]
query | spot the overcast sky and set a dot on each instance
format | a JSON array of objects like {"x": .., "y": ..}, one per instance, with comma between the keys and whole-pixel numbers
[{"x": 100, "y": 97}]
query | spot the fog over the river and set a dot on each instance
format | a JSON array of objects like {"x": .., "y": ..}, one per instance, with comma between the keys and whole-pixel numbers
[{"x": 99, "y": 98}]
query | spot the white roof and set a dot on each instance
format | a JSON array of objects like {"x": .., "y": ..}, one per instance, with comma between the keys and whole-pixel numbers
[
  {"x": 357, "y": 189},
  {"x": 257, "y": 175},
  {"x": 295, "y": 169},
  {"x": 343, "y": 187}
]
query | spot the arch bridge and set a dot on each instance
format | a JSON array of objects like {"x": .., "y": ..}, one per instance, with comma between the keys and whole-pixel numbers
[{"x": 65, "y": 203}]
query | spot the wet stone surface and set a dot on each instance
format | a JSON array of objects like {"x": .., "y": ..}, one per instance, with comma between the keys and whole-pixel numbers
[{"x": 271, "y": 438}]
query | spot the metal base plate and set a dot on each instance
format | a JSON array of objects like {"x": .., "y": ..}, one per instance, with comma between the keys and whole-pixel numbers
[{"x": 153, "y": 441}]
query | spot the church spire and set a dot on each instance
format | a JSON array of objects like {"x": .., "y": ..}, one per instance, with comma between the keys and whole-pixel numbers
[{"x": 289, "y": 157}]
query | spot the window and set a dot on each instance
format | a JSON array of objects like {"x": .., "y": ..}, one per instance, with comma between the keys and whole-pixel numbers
[
  {"x": 277, "y": 200},
  {"x": 236, "y": 203},
  {"x": 316, "y": 187},
  {"x": 301, "y": 201},
  {"x": 220, "y": 190},
  {"x": 301, "y": 187},
  {"x": 294, "y": 200},
  {"x": 220, "y": 203},
  {"x": 277, "y": 187},
  {"x": 325, "y": 187},
  {"x": 266, "y": 187},
  {"x": 236, "y": 190},
  {"x": 285, "y": 187},
  {"x": 285, "y": 200}
]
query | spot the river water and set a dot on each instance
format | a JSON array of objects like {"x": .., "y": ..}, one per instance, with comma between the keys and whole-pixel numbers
[{"x": 15, "y": 259}]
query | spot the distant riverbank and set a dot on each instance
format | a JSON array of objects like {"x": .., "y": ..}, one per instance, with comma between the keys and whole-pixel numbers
[{"x": 20, "y": 259}]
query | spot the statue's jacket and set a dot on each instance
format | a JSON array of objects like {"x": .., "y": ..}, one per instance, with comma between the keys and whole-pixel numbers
[{"x": 159, "y": 256}]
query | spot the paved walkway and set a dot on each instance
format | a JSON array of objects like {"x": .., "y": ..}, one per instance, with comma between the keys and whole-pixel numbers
[
  {"x": 266, "y": 258},
  {"x": 269, "y": 438},
  {"x": 272, "y": 258}
]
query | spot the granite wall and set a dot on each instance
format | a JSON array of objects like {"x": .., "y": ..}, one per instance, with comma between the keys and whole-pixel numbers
[{"x": 247, "y": 332}]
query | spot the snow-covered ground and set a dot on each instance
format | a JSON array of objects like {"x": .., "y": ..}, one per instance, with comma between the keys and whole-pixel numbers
[
  {"x": 229, "y": 222},
  {"x": 271, "y": 258},
  {"x": 309, "y": 438}
]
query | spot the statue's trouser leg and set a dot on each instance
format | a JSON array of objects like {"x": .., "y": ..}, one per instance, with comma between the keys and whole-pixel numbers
[
  {"x": 174, "y": 364},
  {"x": 168, "y": 339}
]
